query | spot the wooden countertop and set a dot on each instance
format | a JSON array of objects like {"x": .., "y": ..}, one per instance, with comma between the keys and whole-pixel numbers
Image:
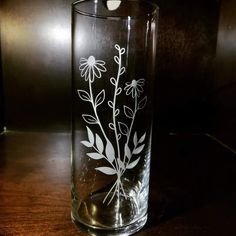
[{"x": 193, "y": 186}]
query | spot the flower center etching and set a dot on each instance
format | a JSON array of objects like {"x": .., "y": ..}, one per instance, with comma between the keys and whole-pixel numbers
[
  {"x": 134, "y": 84},
  {"x": 91, "y": 68},
  {"x": 123, "y": 151},
  {"x": 91, "y": 61}
]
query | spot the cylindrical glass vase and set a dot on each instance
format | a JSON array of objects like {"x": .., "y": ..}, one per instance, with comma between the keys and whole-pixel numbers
[{"x": 113, "y": 64}]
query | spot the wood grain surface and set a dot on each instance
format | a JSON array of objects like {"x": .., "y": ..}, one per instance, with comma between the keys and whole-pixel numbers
[{"x": 193, "y": 189}]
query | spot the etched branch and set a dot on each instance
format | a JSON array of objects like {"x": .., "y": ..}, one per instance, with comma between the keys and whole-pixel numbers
[{"x": 121, "y": 70}]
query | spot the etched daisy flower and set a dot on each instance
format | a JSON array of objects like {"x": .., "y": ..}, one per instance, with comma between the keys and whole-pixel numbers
[
  {"x": 135, "y": 87},
  {"x": 91, "y": 68}
]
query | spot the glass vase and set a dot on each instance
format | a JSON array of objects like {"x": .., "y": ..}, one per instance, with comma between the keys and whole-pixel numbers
[{"x": 113, "y": 65}]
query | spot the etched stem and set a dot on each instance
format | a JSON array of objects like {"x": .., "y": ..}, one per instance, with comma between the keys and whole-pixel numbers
[
  {"x": 95, "y": 110},
  {"x": 113, "y": 195},
  {"x": 132, "y": 123},
  {"x": 122, "y": 188},
  {"x": 130, "y": 130},
  {"x": 114, "y": 185},
  {"x": 114, "y": 106},
  {"x": 118, "y": 182}
]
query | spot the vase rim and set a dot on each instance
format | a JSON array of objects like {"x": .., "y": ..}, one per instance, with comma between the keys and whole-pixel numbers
[{"x": 133, "y": 9}]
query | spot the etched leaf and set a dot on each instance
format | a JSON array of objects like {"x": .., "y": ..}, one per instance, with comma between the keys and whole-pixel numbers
[
  {"x": 123, "y": 128},
  {"x": 142, "y": 138},
  {"x": 127, "y": 151},
  {"x": 100, "y": 98},
  {"x": 117, "y": 112},
  {"x": 84, "y": 95},
  {"x": 99, "y": 144},
  {"x": 128, "y": 112},
  {"x": 119, "y": 136},
  {"x": 122, "y": 51},
  {"x": 135, "y": 139},
  {"x": 117, "y": 47},
  {"x": 90, "y": 119},
  {"x": 110, "y": 152},
  {"x": 117, "y": 60},
  {"x": 121, "y": 164},
  {"x": 138, "y": 149},
  {"x": 86, "y": 144},
  {"x": 119, "y": 91},
  {"x": 110, "y": 104},
  {"x": 90, "y": 136},
  {"x": 95, "y": 156},
  {"x": 111, "y": 126},
  {"x": 133, "y": 164},
  {"x": 106, "y": 170},
  {"x": 113, "y": 81},
  {"x": 142, "y": 103},
  {"x": 122, "y": 71}
]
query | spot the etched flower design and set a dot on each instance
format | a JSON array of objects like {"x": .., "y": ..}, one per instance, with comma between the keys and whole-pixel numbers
[
  {"x": 135, "y": 87},
  {"x": 124, "y": 151},
  {"x": 91, "y": 68}
]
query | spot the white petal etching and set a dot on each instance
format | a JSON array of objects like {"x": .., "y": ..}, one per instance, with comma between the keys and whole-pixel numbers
[
  {"x": 91, "y": 68},
  {"x": 135, "y": 87}
]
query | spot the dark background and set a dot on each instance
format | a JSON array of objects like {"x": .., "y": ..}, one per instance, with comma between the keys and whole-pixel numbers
[
  {"x": 196, "y": 67},
  {"x": 1, "y": 95}
]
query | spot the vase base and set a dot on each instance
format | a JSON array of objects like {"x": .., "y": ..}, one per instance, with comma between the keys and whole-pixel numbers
[
  {"x": 109, "y": 213},
  {"x": 121, "y": 231}
]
